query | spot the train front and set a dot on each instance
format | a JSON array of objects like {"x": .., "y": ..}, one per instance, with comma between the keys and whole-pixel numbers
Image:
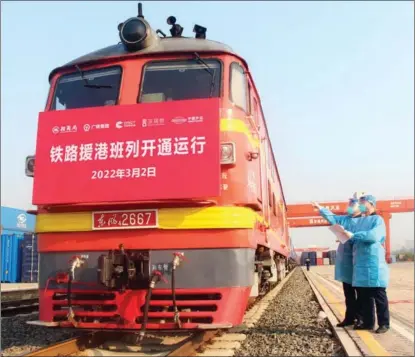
[{"x": 127, "y": 185}]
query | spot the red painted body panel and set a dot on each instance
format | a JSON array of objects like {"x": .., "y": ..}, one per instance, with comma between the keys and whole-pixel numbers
[
  {"x": 128, "y": 308},
  {"x": 146, "y": 239}
]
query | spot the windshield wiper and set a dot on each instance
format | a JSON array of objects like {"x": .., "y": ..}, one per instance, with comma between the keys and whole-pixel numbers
[
  {"x": 209, "y": 70},
  {"x": 86, "y": 83}
]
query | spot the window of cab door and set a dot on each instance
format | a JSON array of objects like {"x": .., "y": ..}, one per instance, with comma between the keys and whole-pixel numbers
[
  {"x": 253, "y": 107},
  {"x": 255, "y": 112},
  {"x": 250, "y": 107},
  {"x": 238, "y": 93}
]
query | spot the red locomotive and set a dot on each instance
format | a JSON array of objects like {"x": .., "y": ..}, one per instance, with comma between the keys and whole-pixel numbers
[{"x": 159, "y": 200}]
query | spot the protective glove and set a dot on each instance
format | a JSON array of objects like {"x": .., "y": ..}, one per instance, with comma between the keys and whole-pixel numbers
[
  {"x": 349, "y": 234},
  {"x": 316, "y": 205}
]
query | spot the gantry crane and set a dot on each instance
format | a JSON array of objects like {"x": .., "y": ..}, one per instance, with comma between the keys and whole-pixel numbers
[{"x": 305, "y": 215}]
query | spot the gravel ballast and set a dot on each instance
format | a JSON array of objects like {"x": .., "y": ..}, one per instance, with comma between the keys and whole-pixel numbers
[
  {"x": 292, "y": 325},
  {"x": 18, "y": 338}
]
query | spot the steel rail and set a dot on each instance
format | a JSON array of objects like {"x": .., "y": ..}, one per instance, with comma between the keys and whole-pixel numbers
[{"x": 190, "y": 346}]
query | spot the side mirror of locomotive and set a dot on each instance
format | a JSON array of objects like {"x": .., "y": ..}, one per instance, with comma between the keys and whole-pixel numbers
[{"x": 30, "y": 166}]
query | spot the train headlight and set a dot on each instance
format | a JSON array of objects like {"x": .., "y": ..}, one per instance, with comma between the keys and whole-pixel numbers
[
  {"x": 200, "y": 31},
  {"x": 133, "y": 32},
  {"x": 30, "y": 166},
  {"x": 227, "y": 153}
]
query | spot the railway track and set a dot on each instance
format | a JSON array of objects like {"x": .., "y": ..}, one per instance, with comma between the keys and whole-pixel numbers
[
  {"x": 12, "y": 308},
  {"x": 112, "y": 344},
  {"x": 16, "y": 302},
  {"x": 174, "y": 343}
]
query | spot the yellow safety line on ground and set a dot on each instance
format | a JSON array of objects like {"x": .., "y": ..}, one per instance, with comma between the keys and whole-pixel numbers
[{"x": 374, "y": 346}]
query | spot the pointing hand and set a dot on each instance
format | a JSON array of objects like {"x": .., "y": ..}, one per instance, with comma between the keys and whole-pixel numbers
[{"x": 315, "y": 205}]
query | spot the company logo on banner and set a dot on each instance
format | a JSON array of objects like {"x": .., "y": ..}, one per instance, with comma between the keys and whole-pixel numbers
[
  {"x": 128, "y": 162},
  {"x": 21, "y": 221}
]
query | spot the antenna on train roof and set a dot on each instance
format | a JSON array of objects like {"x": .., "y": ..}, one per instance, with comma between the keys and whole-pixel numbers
[{"x": 140, "y": 10}]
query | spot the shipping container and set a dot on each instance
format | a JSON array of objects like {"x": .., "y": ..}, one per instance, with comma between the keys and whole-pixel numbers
[
  {"x": 30, "y": 259},
  {"x": 11, "y": 258},
  {"x": 326, "y": 261},
  {"x": 13, "y": 219},
  {"x": 9, "y": 232},
  {"x": 332, "y": 254},
  {"x": 304, "y": 255},
  {"x": 312, "y": 255},
  {"x": 313, "y": 258},
  {"x": 319, "y": 255},
  {"x": 319, "y": 261}
]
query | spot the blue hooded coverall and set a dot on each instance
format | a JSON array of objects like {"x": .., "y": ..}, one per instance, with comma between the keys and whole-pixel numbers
[
  {"x": 343, "y": 270},
  {"x": 371, "y": 272},
  {"x": 344, "y": 256},
  {"x": 370, "y": 268}
]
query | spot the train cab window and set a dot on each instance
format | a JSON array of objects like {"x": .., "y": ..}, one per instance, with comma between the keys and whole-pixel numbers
[
  {"x": 249, "y": 109},
  {"x": 274, "y": 205},
  {"x": 94, "y": 88},
  {"x": 238, "y": 92},
  {"x": 180, "y": 80},
  {"x": 255, "y": 112}
]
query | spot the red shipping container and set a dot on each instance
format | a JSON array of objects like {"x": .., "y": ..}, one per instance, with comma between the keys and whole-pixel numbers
[{"x": 319, "y": 261}]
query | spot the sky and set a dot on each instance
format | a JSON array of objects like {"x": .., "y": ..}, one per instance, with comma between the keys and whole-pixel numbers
[{"x": 336, "y": 81}]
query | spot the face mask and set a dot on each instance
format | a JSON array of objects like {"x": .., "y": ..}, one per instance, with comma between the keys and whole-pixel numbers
[
  {"x": 350, "y": 211},
  {"x": 362, "y": 208}
]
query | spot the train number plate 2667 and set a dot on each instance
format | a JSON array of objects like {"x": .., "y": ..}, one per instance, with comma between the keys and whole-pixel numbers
[{"x": 134, "y": 219}]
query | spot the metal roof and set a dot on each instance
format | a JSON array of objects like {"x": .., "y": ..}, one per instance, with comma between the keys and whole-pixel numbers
[{"x": 161, "y": 45}]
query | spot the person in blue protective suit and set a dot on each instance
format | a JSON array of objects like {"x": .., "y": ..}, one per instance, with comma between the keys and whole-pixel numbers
[
  {"x": 307, "y": 264},
  {"x": 343, "y": 270},
  {"x": 370, "y": 271}
]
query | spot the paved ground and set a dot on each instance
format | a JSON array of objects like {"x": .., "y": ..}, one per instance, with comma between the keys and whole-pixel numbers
[
  {"x": 399, "y": 341},
  {"x": 19, "y": 286}
]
